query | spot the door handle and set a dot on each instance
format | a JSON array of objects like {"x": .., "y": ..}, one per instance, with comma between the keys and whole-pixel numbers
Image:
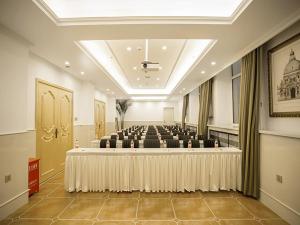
[{"x": 56, "y": 132}]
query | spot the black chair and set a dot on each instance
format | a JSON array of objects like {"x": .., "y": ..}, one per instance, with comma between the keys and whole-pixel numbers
[
  {"x": 209, "y": 143},
  {"x": 172, "y": 143},
  {"x": 165, "y": 137},
  {"x": 195, "y": 143},
  {"x": 151, "y": 143},
  {"x": 151, "y": 137},
  {"x": 130, "y": 137},
  {"x": 201, "y": 137},
  {"x": 112, "y": 143},
  {"x": 127, "y": 143},
  {"x": 121, "y": 136},
  {"x": 113, "y": 137},
  {"x": 184, "y": 137}
]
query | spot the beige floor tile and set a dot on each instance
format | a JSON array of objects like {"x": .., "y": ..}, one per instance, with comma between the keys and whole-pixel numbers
[
  {"x": 202, "y": 222},
  {"x": 227, "y": 208},
  {"x": 155, "y": 195},
  {"x": 134, "y": 194},
  {"x": 239, "y": 222},
  {"x": 72, "y": 222},
  {"x": 119, "y": 209},
  {"x": 83, "y": 209},
  {"x": 31, "y": 222},
  {"x": 191, "y": 209},
  {"x": 274, "y": 222},
  {"x": 257, "y": 208},
  {"x": 92, "y": 195},
  {"x": 46, "y": 189},
  {"x": 155, "y": 209},
  {"x": 115, "y": 223},
  {"x": 47, "y": 208},
  {"x": 196, "y": 194},
  {"x": 31, "y": 201},
  {"x": 156, "y": 223},
  {"x": 215, "y": 194},
  {"x": 60, "y": 192}
]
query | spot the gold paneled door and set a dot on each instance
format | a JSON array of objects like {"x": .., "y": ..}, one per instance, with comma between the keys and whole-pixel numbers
[
  {"x": 99, "y": 119},
  {"x": 54, "y": 127}
]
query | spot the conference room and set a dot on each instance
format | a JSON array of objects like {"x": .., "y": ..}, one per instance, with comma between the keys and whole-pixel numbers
[{"x": 149, "y": 112}]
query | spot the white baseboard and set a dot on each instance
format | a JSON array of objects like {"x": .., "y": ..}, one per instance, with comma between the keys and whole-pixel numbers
[
  {"x": 286, "y": 212},
  {"x": 13, "y": 204}
]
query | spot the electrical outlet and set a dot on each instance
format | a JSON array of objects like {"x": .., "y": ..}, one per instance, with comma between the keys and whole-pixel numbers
[
  {"x": 7, "y": 178},
  {"x": 279, "y": 178}
]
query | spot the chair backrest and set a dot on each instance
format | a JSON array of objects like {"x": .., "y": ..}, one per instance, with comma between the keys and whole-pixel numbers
[
  {"x": 151, "y": 143},
  {"x": 127, "y": 143},
  {"x": 165, "y": 137},
  {"x": 130, "y": 137},
  {"x": 209, "y": 143},
  {"x": 151, "y": 137},
  {"x": 201, "y": 137},
  {"x": 121, "y": 136},
  {"x": 112, "y": 143},
  {"x": 184, "y": 137},
  {"x": 113, "y": 137},
  {"x": 172, "y": 143},
  {"x": 195, "y": 143}
]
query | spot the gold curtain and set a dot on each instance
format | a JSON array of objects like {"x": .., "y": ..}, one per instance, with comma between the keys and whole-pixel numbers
[
  {"x": 251, "y": 69},
  {"x": 205, "y": 96},
  {"x": 185, "y": 106}
]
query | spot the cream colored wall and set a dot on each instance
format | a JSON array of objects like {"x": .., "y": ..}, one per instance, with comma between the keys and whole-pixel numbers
[{"x": 281, "y": 155}]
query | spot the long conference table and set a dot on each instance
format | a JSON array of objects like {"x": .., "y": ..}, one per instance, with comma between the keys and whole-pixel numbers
[{"x": 153, "y": 170}]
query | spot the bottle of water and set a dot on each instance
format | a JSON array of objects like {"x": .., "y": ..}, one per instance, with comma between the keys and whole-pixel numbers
[
  {"x": 135, "y": 137},
  {"x": 164, "y": 144},
  {"x": 190, "y": 144},
  {"x": 76, "y": 143},
  {"x": 216, "y": 143},
  {"x": 107, "y": 144},
  {"x": 131, "y": 144}
]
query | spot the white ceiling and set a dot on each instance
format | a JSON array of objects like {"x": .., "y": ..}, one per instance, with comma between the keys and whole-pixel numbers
[{"x": 259, "y": 22}]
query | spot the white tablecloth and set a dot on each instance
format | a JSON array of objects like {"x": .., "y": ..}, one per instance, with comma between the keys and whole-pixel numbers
[{"x": 95, "y": 169}]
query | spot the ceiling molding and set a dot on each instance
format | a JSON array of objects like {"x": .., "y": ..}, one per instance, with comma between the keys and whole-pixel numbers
[{"x": 79, "y": 21}]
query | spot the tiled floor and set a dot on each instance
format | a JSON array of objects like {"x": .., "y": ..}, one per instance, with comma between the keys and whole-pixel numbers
[{"x": 53, "y": 205}]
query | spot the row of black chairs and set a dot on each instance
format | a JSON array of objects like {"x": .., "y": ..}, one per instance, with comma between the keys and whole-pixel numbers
[{"x": 155, "y": 143}]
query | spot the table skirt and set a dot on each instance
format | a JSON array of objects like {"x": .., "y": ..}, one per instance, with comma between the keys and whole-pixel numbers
[{"x": 175, "y": 173}]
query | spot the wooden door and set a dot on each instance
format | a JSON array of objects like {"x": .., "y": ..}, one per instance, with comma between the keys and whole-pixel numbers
[
  {"x": 54, "y": 127},
  {"x": 99, "y": 119}
]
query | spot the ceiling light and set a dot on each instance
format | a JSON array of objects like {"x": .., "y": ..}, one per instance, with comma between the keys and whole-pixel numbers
[
  {"x": 164, "y": 47},
  {"x": 148, "y": 97},
  {"x": 157, "y": 78},
  {"x": 67, "y": 64},
  {"x": 129, "y": 49},
  {"x": 134, "y": 68},
  {"x": 213, "y": 63},
  {"x": 202, "y": 72},
  {"x": 112, "y": 93},
  {"x": 107, "y": 89},
  {"x": 160, "y": 68},
  {"x": 82, "y": 73},
  {"x": 183, "y": 89},
  {"x": 138, "y": 78}
]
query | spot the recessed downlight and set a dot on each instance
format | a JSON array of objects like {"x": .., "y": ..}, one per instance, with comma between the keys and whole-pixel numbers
[
  {"x": 129, "y": 49},
  {"x": 202, "y": 72},
  {"x": 82, "y": 73},
  {"x": 134, "y": 68},
  {"x": 67, "y": 64},
  {"x": 213, "y": 63},
  {"x": 164, "y": 47},
  {"x": 157, "y": 78},
  {"x": 138, "y": 79},
  {"x": 160, "y": 68},
  {"x": 107, "y": 89}
]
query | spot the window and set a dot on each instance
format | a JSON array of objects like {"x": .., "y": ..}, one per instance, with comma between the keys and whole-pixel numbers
[{"x": 236, "y": 77}]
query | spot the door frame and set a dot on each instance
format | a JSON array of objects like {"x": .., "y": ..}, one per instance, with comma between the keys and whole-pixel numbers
[
  {"x": 96, "y": 100},
  {"x": 40, "y": 81}
]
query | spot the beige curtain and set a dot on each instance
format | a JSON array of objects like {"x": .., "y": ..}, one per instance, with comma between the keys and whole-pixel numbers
[
  {"x": 185, "y": 106},
  {"x": 251, "y": 69},
  {"x": 205, "y": 98}
]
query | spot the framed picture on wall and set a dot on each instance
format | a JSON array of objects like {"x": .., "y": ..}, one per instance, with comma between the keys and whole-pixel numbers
[{"x": 284, "y": 78}]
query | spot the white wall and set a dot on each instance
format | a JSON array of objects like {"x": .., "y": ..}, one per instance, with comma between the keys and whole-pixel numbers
[
  {"x": 149, "y": 110},
  {"x": 222, "y": 99},
  {"x": 193, "y": 109}
]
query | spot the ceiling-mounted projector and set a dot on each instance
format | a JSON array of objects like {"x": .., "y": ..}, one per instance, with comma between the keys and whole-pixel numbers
[{"x": 148, "y": 66}]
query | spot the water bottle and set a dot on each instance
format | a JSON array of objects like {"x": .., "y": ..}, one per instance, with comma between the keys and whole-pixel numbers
[
  {"x": 190, "y": 144},
  {"x": 131, "y": 144},
  {"x": 135, "y": 137},
  {"x": 216, "y": 143},
  {"x": 164, "y": 144},
  {"x": 107, "y": 144}
]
